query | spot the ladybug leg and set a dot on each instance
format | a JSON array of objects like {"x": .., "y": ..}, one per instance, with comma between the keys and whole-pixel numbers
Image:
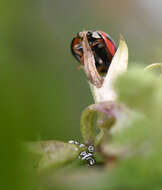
[
  {"x": 81, "y": 62},
  {"x": 78, "y": 52},
  {"x": 96, "y": 42},
  {"x": 79, "y": 66}
]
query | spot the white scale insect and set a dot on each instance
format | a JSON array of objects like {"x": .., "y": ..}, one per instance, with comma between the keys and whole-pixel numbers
[{"x": 85, "y": 155}]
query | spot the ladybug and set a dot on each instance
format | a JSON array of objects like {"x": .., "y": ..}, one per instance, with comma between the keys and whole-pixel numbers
[{"x": 102, "y": 46}]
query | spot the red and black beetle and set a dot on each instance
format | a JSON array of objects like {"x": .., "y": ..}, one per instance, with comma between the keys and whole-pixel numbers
[{"x": 102, "y": 46}]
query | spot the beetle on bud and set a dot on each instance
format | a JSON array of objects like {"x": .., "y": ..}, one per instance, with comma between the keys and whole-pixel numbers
[{"x": 102, "y": 46}]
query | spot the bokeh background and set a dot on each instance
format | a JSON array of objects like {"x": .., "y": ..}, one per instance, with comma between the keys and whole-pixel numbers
[{"x": 41, "y": 93}]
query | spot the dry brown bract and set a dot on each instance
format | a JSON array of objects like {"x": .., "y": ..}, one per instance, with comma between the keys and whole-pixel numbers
[{"x": 89, "y": 63}]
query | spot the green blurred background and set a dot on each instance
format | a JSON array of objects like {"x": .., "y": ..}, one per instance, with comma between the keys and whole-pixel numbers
[
  {"x": 36, "y": 36},
  {"x": 41, "y": 93}
]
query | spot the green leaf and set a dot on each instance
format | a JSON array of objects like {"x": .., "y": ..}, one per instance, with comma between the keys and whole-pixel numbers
[
  {"x": 137, "y": 89},
  {"x": 53, "y": 153},
  {"x": 155, "y": 67}
]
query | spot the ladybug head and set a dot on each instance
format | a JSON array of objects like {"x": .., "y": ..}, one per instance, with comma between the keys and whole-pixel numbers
[{"x": 102, "y": 46}]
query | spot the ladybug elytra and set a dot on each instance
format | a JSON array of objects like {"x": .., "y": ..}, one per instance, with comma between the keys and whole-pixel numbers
[{"x": 102, "y": 46}]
